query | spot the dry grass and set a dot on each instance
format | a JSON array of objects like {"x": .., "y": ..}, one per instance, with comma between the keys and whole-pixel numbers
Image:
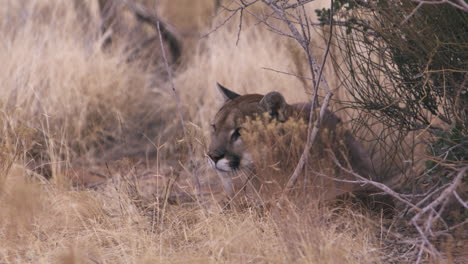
[
  {"x": 47, "y": 224},
  {"x": 65, "y": 102}
]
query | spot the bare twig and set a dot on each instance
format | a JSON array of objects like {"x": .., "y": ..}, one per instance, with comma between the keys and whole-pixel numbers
[
  {"x": 460, "y": 200},
  {"x": 411, "y": 14},
  {"x": 460, "y": 4},
  {"x": 240, "y": 26},
  {"x": 381, "y": 186},
  {"x": 442, "y": 199},
  {"x": 287, "y": 73},
  {"x": 302, "y": 39},
  {"x": 179, "y": 108},
  {"x": 431, "y": 194},
  {"x": 242, "y": 6},
  {"x": 218, "y": 26},
  {"x": 312, "y": 132},
  {"x": 455, "y": 183},
  {"x": 298, "y": 4}
]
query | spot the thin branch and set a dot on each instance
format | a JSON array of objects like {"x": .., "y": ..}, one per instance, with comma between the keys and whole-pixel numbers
[
  {"x": 287, "y": 73},
  {"x": 449, "y": 190},
  {"x": 411, "y": 14},
  {"x": 270, "y": 26},
  {"x": 219, "y": 26},
  {"x": 460, "y": 200},
  {"x": 312, "y": 132},
  {"x": 381, "y": 186},
  {"x": 462, "y": 5},
  {"x": 179, "y": 108},
  {"x": 442, "y": 199},
  {"x": 242, "y": 6},
  {"x": 240, "y": 26},
  {"x": 299, "y": 38},
  {"x": 298, "y": 4}
]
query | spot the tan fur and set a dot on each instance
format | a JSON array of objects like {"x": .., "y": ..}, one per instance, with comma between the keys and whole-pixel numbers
[{"x": 235, "y": 153}]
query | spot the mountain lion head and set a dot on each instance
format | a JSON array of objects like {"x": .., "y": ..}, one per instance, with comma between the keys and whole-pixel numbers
[{"x": 227, "y": 152}]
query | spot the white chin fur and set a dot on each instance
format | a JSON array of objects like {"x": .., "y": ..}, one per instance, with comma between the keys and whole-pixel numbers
[{"x": 223, "y": 165}]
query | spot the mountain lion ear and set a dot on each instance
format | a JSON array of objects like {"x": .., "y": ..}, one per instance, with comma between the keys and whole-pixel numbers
[
  {"x": 226, "y": 93},
  {"x": 274, "y": 104}
]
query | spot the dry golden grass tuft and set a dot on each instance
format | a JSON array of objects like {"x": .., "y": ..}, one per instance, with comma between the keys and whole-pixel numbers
[
  {"x": 67, "y": 104},
  {"x": 277, "y": 147}
]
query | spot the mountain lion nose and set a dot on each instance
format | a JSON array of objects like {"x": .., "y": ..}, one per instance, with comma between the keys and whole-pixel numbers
[{"x": 214, "y": 156}]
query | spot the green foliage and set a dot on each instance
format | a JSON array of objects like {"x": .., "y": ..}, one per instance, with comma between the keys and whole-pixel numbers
[
  {"x": 350, "y": 23},
  {"x": 409, "y": 71},
  {"x": 324, "y": 13},
  {"x": 449, "y": 146},
  {"x": 406, "y": 70}
]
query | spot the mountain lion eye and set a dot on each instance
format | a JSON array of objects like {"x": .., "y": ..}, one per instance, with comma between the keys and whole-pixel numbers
[
  {"x": 213, "y": 127},
  {"x": 235, "y": 135}
]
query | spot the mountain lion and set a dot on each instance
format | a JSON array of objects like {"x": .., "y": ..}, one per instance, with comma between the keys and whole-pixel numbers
[{"x": 242, "y": 145}]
